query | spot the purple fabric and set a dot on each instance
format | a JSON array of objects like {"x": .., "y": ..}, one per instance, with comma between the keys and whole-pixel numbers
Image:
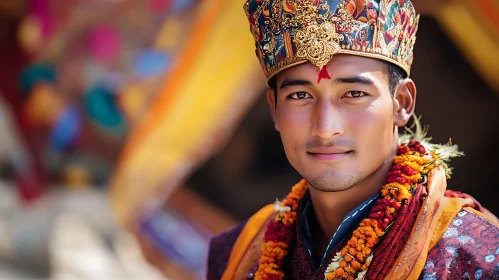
[
  {"x": 468, "y": 250},
  {"x": 220, "y": 248}
]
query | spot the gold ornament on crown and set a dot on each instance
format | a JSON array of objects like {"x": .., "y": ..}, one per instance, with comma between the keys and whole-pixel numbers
[
  {"x": 291, "y": 32},
  {"x": 319, "y": 41}
]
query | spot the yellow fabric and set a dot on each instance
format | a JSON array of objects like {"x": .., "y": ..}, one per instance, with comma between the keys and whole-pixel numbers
[
  {"x": 470, "y": 31},
  {"x": 209, "y": 89},
  {"x": 248, "y": 241},
  {"x": 436, "y": 213},
  {"x": 451, "y": 207}
]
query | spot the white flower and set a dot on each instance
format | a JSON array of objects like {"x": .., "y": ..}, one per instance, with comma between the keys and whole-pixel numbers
[
  {"x": 281, "y": 209},
  {"x": 335, "y": 264},
  {"x": 370, "y": 258},
  {"x": 361, "y": 275},
  {"x": 337, "y": 257}
]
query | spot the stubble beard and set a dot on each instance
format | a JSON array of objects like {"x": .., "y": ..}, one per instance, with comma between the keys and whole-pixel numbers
[{"x": 338, "y": 184}]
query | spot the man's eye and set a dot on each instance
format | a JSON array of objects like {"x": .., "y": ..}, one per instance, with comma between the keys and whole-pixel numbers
[
  {"x": 355, "y": 94},
  {"x": 299, "y": 95}
]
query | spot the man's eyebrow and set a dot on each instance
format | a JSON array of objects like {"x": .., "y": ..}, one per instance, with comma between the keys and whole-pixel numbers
[
  {"x": 294, "y": 82},
  {"x": 354, "y": 80}
]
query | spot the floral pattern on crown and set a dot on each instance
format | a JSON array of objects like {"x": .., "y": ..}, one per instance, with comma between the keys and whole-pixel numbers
[{"x": 291, "y": 32}]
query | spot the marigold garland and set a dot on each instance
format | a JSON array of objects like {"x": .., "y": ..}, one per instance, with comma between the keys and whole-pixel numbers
[
  {"x": 279, "y": 234},
  {"x": 410, "y": 165}
]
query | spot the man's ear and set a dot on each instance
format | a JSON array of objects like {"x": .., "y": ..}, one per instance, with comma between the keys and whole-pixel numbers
[
  {"x": 271, "y": 99},
  {"x": 404, "y": 102}
]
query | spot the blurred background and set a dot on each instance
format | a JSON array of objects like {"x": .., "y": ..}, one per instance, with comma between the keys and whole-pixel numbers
[{"x": 132, "y": 131}]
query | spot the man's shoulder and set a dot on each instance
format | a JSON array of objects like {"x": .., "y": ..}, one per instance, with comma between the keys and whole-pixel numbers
[
  {"x": 469, "y": 247},
  {"x": 226, "y": 238},
  {"x": 220, "y": 249},
  {"x": 469, "y": 227}
]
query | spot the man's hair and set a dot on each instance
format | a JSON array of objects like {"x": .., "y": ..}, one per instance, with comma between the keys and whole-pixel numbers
[{"x": 395, "y": 75}]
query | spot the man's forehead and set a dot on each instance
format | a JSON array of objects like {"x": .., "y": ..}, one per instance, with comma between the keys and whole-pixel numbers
[{"x": 340, "y": 65}]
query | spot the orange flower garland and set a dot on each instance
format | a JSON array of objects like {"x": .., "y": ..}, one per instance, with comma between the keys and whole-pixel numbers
[
  {"x": 410, "y": 165},
  {"x": 279, "y": 234}
]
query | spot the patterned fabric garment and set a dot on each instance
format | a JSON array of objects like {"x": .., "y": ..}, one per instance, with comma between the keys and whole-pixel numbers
[
  {"x": 468, "y": 250},
  {"x": 220, "y": 248}
]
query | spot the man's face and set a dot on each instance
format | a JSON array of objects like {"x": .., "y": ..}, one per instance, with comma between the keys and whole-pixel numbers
[{"x": 338, "y": 131}]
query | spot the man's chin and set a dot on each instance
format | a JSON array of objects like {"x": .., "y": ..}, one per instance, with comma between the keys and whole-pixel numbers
[{"x": 336, "y": 183}]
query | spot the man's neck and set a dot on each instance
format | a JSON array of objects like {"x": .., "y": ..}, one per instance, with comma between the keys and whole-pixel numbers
[{"x": 331, "y": 207}]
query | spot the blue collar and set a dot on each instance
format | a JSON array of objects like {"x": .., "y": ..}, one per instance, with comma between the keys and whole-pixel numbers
[{"x": 351, "y": 220}]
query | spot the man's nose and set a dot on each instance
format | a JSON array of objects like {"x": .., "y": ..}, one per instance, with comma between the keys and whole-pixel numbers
[{"x": 327, "y": 121}]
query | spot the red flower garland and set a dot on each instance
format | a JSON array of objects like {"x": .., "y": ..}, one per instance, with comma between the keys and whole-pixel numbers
[
  {"x": 410, "y": 164},
  {"x": 279, "y": 234}
]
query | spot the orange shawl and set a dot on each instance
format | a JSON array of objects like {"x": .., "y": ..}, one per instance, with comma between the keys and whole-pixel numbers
[{"x": 435, "y": 215}]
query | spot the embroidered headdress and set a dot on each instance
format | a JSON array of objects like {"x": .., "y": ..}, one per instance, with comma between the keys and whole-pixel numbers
[{"x": 291, "y": 32}]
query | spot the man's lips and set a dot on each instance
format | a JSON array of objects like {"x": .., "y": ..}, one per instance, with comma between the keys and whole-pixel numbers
[
  {"x": 329, "y": 153},
  {"x": 328, "y": 150}
]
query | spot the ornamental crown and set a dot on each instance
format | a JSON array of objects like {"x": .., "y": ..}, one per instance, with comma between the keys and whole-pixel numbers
[{"x": 291, "y": 32}]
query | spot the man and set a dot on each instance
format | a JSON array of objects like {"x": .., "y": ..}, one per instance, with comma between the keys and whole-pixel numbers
[{"x": 372, "y": 205}]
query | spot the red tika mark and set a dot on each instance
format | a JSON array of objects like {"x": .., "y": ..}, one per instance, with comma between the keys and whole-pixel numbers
[{"x": 323, "y": 74}]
